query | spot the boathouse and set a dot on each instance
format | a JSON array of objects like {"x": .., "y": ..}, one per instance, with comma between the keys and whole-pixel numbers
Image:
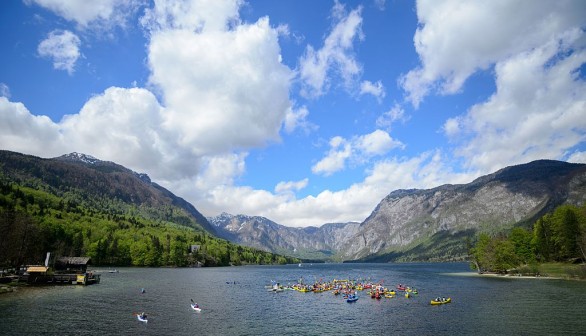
[
  {"x": 72, "y": 265},
  {"x": 66, "y": 270}
]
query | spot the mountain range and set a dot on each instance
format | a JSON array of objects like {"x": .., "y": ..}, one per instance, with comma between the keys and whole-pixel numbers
[
  {"x": 424, "y": 225},
  {"x": 435, "y": 224}
]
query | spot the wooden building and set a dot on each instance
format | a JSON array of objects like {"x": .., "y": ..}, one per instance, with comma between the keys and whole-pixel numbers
[{"x": 72, "y": 265}]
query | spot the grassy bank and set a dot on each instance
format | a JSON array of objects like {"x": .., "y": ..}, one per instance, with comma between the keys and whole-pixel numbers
[{"x": 554, "y": 270}]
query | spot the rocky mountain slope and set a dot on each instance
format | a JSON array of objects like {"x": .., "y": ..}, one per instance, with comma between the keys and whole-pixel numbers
[
  {"x": 433, "y": 224},
  {"x": 426, "y": 225},
  {"x": 260, "y": 232}
]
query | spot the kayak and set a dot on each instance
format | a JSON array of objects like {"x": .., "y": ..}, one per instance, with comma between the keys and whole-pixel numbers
[
  {"x": 141, "y": 319},
  {"x": 434, "y": 302},
  {"x": 195, "y": 308}
]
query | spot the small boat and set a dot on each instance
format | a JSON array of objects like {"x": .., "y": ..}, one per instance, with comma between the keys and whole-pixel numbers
[
  {"x": 352, "y": 298},
  {"x": 441, "y": 301},
  {"x": 142, "y": 317},
  {"x": 195, "y": 307},
  {"x": 113, "y": 271},
  {"x": 401, "y": 287}
]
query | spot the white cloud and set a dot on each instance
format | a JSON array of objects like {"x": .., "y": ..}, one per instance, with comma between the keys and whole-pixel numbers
[
  {"x": 359, "y": 149},
  {"x": 376, "y": 143},
  {"x": 352, "y": 204},
  {"x": 451, "y": 127},
  {"x": 537, "y": 111},
  {"x": 290, "y": 186},
  {"x": 223, "y": 90},
  {"x": 375, "y": 89},
  {"x": 457, "y": 38},
  {"x": 396, "y": 113},
  {"x": 297, "y": 119},
  {"x": 577, "y": 157},
  {"x": 335, "y": 160},
  {"x": 23, "y": 132},
  {"x": 63, "y": 48},
  {"x": 194, "y": 16},
  {"x": 335, "y": 58},
  {"x": 102, "y": 14}
]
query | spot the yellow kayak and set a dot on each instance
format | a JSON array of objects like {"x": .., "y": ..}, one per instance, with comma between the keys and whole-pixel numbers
[{"x": 435, "y": 302}]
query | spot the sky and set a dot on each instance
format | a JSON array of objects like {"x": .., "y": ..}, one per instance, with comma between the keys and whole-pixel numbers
[{"x": 305, "y": 112}]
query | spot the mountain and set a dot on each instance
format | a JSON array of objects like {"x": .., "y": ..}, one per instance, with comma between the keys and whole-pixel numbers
[
  {"x": 86, "y": 179},
  {"x": 424, "y": 225},
  {"x": 260, "y": 232},
  {"x": 77, "y": 205},
  {"x": 434, "y": 224}
]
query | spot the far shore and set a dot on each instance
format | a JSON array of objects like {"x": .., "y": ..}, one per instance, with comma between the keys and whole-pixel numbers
[{"x": 509, "y": 276}]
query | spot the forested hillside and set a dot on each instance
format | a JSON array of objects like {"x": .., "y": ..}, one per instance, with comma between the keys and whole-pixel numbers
[{"x": 106, "y": 212}]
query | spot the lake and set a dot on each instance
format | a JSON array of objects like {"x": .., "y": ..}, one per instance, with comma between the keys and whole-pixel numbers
[{"x": 234, "y": 301}]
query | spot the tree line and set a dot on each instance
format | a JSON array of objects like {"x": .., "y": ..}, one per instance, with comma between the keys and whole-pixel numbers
[
  {"x": 33, "y": 222},
  {"x": 559, "y": 236}
]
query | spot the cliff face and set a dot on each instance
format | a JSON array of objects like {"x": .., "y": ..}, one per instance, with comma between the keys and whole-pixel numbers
[
  {"x": 512, "y": 196},
  {"x": 260, "y": 232}
]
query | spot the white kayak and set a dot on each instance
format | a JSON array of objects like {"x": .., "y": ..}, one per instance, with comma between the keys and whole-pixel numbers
[
  {"x": 141, "y": 318},
  {"x": 195, "y": 308}
]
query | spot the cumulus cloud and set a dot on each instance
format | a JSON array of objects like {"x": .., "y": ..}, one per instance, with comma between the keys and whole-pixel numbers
[
  {"x": 102, "y": 14},
  {"x": 358, "y": 150},
  {"x": 456, "y": 38},
  {"x": 23, "y": 132},
  {"x": 219, "y": 81},
  {"x": 375, "y": 89},
  {"x": 335, "y": 59},
  {"x": 63, "y": 48},
  {"x": 537, "y": 111}
]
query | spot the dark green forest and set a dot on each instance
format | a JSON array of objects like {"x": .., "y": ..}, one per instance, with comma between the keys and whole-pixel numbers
[
  {"x": 110, "y": 231},
  {"x": 559, "y": 236}
]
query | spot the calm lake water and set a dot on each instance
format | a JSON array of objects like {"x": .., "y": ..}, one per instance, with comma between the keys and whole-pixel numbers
[{"x": 480, "y": 305}]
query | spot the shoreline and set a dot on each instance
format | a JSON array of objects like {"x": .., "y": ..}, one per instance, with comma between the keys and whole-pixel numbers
[{"x": 508, "y": 276}]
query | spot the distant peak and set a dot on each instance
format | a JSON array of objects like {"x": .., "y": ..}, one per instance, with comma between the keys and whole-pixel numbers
[{"x": 75, "y": 156}]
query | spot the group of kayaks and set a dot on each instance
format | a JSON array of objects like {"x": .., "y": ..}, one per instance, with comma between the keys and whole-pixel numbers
[
  {"x": 142, "y": 317},
  {"x": 349, "y": 288}
]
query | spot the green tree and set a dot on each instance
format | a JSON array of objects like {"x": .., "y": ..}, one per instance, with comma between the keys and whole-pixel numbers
[
  {"x": 521, "y": 239},
  {"x": 566, "y": 232}
]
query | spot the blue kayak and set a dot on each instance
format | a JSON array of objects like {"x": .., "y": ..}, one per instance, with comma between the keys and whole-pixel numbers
[{"x": 352, "y": 298}]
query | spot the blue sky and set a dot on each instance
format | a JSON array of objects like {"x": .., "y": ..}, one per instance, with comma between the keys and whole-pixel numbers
[{"x": 305, "y": 112}]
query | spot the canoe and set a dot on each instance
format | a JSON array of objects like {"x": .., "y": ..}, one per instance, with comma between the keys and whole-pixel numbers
[
  {"x": 195, "y": 308},
  {"x": 434, "y": 302},
  {"x": 141, "y": 319}
]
